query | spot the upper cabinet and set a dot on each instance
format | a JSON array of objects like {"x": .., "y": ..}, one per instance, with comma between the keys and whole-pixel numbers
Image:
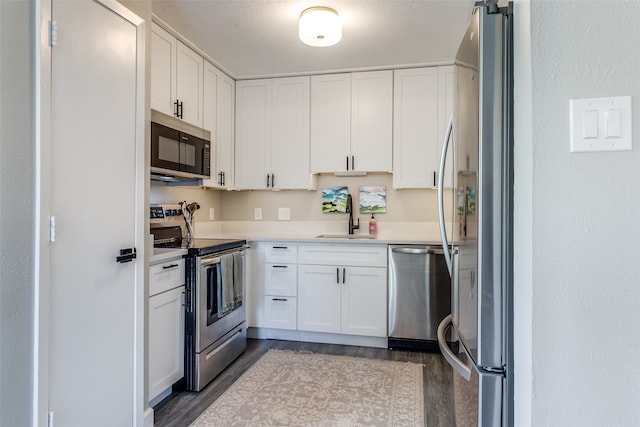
[
  {"x": 424, "y": 99},
  {"x": 351, "y": 122},
  {"x": 176, "y": 77},
  {"x": 219, "y": 113},
  {"x": 272, "y": 134}
]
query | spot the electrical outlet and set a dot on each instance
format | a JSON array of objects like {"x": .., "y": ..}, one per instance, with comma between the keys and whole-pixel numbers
[
  {"x": 257, "y": 214},
  {"x": 212, "y": 214},
  {"x": 284, "y": 214}
]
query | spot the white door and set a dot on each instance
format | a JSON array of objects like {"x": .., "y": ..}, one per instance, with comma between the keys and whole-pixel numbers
[{"x": 94, "y": 305}]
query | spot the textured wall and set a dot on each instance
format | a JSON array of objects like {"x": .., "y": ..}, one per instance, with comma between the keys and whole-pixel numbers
[
  {"x": 17, "y": 160},
  {"x": 585, "y": 279}
]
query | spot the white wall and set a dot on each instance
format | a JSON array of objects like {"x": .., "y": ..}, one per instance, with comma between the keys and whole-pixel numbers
[
  {"x": 17, "y": 207},
  {"x": 582, "y": 271}
]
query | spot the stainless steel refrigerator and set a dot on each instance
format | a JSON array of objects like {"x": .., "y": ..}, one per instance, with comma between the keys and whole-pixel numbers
[{"x": 479, "y": 247}]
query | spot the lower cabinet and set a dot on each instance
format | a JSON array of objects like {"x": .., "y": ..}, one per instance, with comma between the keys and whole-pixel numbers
[
  {"x": 342, "y": 299},
  {"x": 166, "y": 340},
  {"x": 280, "y": 312},
  {"x": 166, "y": 326},
  {"x": 320, "y": 292}
]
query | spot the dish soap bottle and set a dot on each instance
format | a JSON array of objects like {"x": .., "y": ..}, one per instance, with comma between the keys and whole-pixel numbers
[{"x": 373, "y": 226}]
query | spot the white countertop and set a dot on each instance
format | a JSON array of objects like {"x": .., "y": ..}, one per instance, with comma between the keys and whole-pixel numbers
[
  {"x": 165, "y": 254},
  {"x": 380, "y": 239}
]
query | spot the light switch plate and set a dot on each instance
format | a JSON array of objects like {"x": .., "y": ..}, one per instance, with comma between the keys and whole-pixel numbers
[
  {"x": 212, "y": 214},
  {"x": 284, "y": 214},
  {"x": 600, "y": 124},
  {"x": 257, "y": 214}
]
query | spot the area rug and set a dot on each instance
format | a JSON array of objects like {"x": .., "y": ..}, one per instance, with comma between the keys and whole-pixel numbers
[{"x": 286, "y": 388}]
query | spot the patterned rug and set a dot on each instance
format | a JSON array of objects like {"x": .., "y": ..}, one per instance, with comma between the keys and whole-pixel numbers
[{"x": 286, "y": 388}]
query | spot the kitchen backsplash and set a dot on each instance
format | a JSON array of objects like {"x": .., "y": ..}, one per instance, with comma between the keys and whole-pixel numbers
[{"x": 401, "y": 205}]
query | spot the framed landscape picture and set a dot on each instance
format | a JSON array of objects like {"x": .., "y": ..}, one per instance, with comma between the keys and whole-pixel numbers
[
  {"x": 334, "y": 199},
  {"x": 373, "y": 199}
]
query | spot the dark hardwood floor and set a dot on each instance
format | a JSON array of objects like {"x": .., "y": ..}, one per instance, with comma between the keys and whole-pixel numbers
[{"x": 183, "y": 407}]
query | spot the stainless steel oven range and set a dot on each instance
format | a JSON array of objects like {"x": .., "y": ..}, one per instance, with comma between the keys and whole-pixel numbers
[{"x": 215, "y": 321}]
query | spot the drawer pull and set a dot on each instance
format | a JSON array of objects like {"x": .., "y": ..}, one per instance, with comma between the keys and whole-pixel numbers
[
  {"x": 279, "y": 299},
  {"x": 280, "y": 247},
  {"x": 166, "y": 267},
  {"x": 279, "y": 266}
]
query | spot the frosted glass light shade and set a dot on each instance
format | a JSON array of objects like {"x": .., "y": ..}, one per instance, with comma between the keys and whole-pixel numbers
[{"x": 320, "y": 26}]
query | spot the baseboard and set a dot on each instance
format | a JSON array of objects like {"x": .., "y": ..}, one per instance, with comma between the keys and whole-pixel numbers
[
  {"x": 316, "y": 337},
  {"x": 148, "y": 417}
]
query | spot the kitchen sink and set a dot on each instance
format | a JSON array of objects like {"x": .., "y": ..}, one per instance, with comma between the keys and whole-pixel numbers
[{"x": 345, "y": 236}]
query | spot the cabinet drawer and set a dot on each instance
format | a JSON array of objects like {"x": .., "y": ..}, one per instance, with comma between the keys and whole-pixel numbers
[
  {"x": 280, "y": 279},
  {"x": 166, "y": 275},
  {"x": 281, "y": 253},
  {"x": 329, "y": 254},
  {"x": 280, "y": 312}
]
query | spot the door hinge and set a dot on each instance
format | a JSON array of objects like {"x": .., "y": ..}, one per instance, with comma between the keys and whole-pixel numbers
[{"x": 53, "y": 33}]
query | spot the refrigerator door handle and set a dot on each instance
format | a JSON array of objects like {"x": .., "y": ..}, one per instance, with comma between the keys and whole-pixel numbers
[
  {"x": 463, "y": 370},
  {"x": 443, "y": 231}
]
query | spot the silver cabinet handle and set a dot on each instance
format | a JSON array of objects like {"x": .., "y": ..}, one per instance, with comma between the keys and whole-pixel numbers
[{"x": 418, "y": 251}]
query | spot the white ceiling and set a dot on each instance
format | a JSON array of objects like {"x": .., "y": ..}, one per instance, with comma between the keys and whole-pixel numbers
[{"x": 259, "y": 38}]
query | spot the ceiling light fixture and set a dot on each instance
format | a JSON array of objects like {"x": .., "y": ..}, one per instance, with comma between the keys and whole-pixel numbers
[{"x": 320, "y": 27}]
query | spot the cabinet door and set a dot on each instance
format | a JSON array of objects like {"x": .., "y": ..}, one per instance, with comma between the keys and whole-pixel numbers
[
  {"x": 290, "y": 133},
  {"x": 319, "y": 290},
  {"x": 447, "y": 106},
  {"x": 253, "y": 133},
  {"x": 372, "y": 121},
  {"x": 364, "y": 301},
  {"x": 166, "y": 340},
  {"x": 280, "y": 312},
  {"x": 330, "y": 122},
  {"x": 415, "y": 128},
  {"x": 189, "y": 83},
  {"x": 163, "y": 70},
  {"x": 218, "y": 118}
]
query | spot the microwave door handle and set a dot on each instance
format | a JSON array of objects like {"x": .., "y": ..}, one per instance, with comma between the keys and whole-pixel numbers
[{"x": 458, "y": 365}]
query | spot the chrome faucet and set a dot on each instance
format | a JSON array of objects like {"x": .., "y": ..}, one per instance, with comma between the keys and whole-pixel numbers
[{"x": 350, "y": 212}]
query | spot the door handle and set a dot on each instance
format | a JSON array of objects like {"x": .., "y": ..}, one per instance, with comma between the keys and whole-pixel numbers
[
  {"x": 458, "y": 365},
  {"x": 126, "y": 255}
]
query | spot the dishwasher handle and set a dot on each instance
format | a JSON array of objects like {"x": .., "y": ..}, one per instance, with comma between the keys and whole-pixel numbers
[{"x": 418, "y": 251}]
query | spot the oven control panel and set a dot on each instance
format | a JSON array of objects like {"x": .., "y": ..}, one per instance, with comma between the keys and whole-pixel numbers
[{"x": 165, "y": 212}]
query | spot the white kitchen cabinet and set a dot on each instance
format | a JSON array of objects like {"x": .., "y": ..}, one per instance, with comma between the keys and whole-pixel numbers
[
  {"x": 351, "y": 122},
  {"x": 272, "y": 134},
  {"x": 166, "y": 325},
  {"x": 278, "y": 290},
  {"x": 342, "y": 289},
  {"x": 176, "y": 77},
  {"x": 415, "y": 128},
  {"x": 424, "y": 99},
  {"x": 448, "y": 106},
  {"x": 219, "y": 119}
]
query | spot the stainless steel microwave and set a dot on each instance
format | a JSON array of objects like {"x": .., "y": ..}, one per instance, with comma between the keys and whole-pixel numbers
[{"x": 179, "y": 151}]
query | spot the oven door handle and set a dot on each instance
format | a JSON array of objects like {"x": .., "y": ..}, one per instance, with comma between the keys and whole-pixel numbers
[{"x": 210, "y": 261}]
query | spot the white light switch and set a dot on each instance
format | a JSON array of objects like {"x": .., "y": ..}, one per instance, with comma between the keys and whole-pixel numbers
[
  {"x": 257, "y": 214},
  {"x": 590, "y": 124},
  {"x": 212, "y": 214},
  {"x": 612, "y": 123},
  {"x": 600, "y": 124}
]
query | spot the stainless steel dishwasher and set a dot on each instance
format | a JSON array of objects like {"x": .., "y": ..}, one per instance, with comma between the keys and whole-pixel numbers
[{"x": 419, "y": 296}]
